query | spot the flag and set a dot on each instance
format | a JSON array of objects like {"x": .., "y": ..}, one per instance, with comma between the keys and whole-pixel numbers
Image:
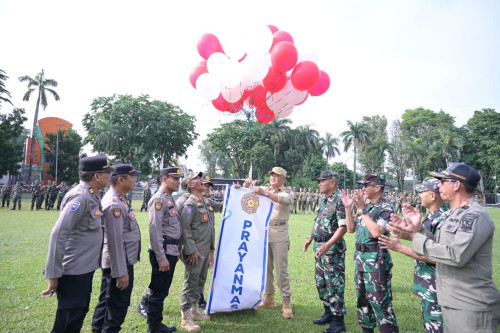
[
  {"x": 239, "y": 273},
  {"x": 250, "y": 171}
]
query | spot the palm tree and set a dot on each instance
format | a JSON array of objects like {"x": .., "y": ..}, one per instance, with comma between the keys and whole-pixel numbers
[
  {"x": 309, "y": 138},
  {"x": 277, "y": 130},
  {"x": 446, "y": 146},
  {"x": 330, "y": 146},
  {"x": 377, "y": 150},
  {"x": 3, "y": 91},
  {"x": 355, "y": 136},
  {"x": 41, "y": 84}
]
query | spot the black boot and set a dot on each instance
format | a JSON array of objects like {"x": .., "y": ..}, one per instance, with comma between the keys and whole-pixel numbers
[
  {"x": 367, "y": 330},
  {"x": 336, "y": 326},
  {"x": 142, "y": 308},
  {"x": 326, "y": 318},
  {"x": 202, "y": 303},
  {"x": 13, "y": 208},
  {"x": 160, "y": 328}
]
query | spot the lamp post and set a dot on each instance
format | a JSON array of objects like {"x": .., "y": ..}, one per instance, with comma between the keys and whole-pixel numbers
[{"x": 57, "y": 148}]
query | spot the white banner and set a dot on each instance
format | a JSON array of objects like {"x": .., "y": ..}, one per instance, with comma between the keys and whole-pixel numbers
[{"x": 239, "y": 273}]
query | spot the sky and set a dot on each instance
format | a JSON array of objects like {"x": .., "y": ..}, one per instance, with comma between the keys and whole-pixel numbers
[{"x": 383, "y": 57}]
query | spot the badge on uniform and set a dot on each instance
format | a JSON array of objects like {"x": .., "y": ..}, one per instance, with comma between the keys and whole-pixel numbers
[
  {"x": 117, "y": 212},
  {"x": 132, "y": 215},
  {"x": 126, "y": 206},
  {"x": 468, "y": 221},
  {"x": 205, "y": 217},
  {"x": 91, "y": 191},
  {"x": 173, "y": 212},
  {"x": 74, "y": 206},
  {"x": 97, "y": 213},
  {"x": 199, "y": 204},
  {"x": 189, "y": 210},
  {"x": 157, "y": 205},
  {"x": 169, "y": 202}
]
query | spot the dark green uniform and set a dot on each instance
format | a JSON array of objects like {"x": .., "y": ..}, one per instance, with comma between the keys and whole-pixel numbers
[
  {"x": 52, "y": 195},
  {"x": 6, "y": 189},
  {"x": 146, "y": 195},
  {"x": 16, "y": 197},
  {"x": 35, "y": 194},
  {"x": 63, "y": 189}
]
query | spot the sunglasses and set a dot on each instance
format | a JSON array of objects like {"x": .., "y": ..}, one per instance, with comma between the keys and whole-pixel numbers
[
  {"x": 447, "y": 181},
  {"x": 374, "y": 185}
]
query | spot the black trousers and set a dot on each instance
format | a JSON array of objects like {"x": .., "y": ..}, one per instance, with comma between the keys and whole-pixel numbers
[
  {"x": 159, "y": 286},
  {"x": 113, "y": 304},
  {"x": 73, "y": 298}
]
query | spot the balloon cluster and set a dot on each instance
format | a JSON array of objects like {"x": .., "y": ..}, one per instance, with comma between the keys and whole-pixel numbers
[{"x": 264, "y": 71}]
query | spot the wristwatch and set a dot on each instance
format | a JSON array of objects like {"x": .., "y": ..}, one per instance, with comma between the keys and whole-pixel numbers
[
  {"x": 364, "y": 211},
  {"x": 266, "y": 193}
]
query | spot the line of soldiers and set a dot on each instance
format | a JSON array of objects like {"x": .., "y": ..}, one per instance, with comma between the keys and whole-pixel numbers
[{"x": 50, "y": 194}]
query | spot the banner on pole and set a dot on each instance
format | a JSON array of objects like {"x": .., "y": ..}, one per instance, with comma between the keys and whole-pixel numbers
[{"x": 239, "y": 273}]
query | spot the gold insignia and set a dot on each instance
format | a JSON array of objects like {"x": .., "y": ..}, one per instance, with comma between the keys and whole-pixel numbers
[
  {"x": 250, "y": 203},
  {"x": 207, "y": 178},
  {"x": 132, "y": 215},
  {"x": 169, "y": 202},
  {"x": 117, "y": 212},
  {"x": 173, "y": 212},
  {"x": 126, "y": 206},
  {"x": 205, "y": 217},
  {"x": 157, "y": 205},
  {"x": 91, "y": 191},
  {"x": 97, "y": 212}
]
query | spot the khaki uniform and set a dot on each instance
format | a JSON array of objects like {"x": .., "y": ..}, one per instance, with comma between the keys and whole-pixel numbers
[
  {"x": 294, "y": 198},
  {"x": 462, "y": 250},
  {"x": 302, "y": 201},
  {"x": 309, "y": 202},
  {"x": 198, "y": 235},
  {"x": 315, "y": 201},
  {"x": 279, "y": 244}
]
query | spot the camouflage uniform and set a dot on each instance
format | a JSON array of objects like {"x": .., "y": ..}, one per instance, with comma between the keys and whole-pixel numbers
[
  {"x": 373, "y": 272},
  {"x": 63, "y": 189},
  {"x": 52, "y": 195},
  {"x": 128, "y": 197},
  {"x": 35, "y": 194},
  {"x": 146, "y": 195},
  {"x": 330, "y": 268},
  {"x": 16, "y": 197},
  {"x": 6, "y": 194},
  {"x": 424, "y": 281}
]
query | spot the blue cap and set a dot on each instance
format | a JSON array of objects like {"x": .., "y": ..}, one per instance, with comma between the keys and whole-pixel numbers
[
  {"x": 97, "y": 163},
  {"x": 461, "y": 172},
  {"x": 125, "y": 169}
]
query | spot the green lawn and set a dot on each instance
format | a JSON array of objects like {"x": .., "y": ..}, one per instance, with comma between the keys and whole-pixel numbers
[{"x": 23, "y": 244}]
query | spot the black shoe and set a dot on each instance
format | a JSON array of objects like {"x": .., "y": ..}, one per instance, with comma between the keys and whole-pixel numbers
[
  {"x": 326, "y": 318},
  {"x": 336, "y": 326},
  {"x": 367, "y": 330},
  {"x": 161, "y": 328},
  {"x": 13, "y": 208},
  {"x": 202, "y": 303},
  {"x": 142, "y": 308}
]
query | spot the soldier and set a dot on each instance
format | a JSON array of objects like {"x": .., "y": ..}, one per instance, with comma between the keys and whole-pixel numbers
[
  {"x": 165, "y": 236},
  {"x": 279, "y": 241},
  {"x": 52, "y": 195},
  {"x": 75, "y": 245},
  {"x": 316, "y": 196},
  {"x": 400, "y": 202},
  {"x": 35, "y": 193},
  {"x": 62, "y": 190},
  {"x": 302, "y": 198},
  {"x": 47, "y": 194},
  {"x": 129, "y": 198},
  {"x": 121, "y": 250},
  {"x": 309, "y": 201},
  {"x": 198, "y": 246},
  {"x": 329, "y": 248},
  {"x": 295, "y": 200},
  {"x": 6, "y": 189},
  {"x": 424, "y": 281},
  {"x": 16, "y": 196},
  {"x": 146, "y": 195},
  {"x": 462, "y": 250},
  {"x": 373, "y": 264}
]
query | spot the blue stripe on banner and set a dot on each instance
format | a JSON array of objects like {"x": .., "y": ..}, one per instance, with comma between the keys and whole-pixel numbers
[
  {"x": 224, "y": 218},
  {"x": 264, "y": 269}
]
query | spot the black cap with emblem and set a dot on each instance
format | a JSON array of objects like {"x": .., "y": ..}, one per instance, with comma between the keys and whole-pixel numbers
[
  {"x": 125, "y": 169},
  {"x": 171, "y": 172},
  {"x": 460, "y": 172},
  {"x": 97, "y": 163}
]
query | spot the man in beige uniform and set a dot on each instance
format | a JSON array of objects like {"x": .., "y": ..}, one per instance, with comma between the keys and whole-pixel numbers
[
  {"x": 462, "y": 250},
  {"x": 309, "y": 201},
  {"x": 75, "y": 245},
  {"x": 279, "y": 242}
]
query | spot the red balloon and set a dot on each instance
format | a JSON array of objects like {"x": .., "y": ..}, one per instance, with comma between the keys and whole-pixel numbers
[
  {"x": 264, "y": 115},
  {"x": 208, "y": 44},
  {"x": 245, "y": 95},
  {"x": 305, "y": 99},
  {"x": 281, "y": 36},
  {"x": 243, "y": 58},
  {"x": 274, "y": 80},
  {"x": 322, "y": 86},
  {"x": 284, "y": 56},
  {"x": 221, "y": 104},
  {"x": 202, "y": 62},
  {"x": 257, "y": 96},
  {"x": 273, "y": 28},
  {"x": 235, "y": 107},
  {"x": 197, "y": 71},
  {"x": 305, "y": 75}
]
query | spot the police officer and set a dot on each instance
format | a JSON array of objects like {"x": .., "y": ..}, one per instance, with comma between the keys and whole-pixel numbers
[
  {"x": 121, "y": 250},
  {"x": 462, "y": 250},
  {"x": 279, "y": 240},
  {"x": 198, "y": 245},
  {"x": 329, "y": 248},
  {"x": 373, "y": 264},
  {"x": 35, "y": 193},
  {"x": 6, "y": 189},
  {"x": 75, "y": 245},
  {"x": 424, "y": 281},
  {"x": 16, "y": 197},
  {"x": 146, "y": 195},
  {"x": 165, "y": 236}
]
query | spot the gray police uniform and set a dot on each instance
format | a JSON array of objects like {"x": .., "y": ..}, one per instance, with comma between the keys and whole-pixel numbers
[
  {"x": 121, "y": 250},
  {"x": 165, "y": 234},
  {"x": 74, "y": 254},
  {"x": 462, "y": 250},
  {"x": 198, "y": 235}
]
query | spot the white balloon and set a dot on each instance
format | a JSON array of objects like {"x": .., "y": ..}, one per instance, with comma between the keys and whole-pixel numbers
[
  {"x": 233, "y": 42},
  {"x": 308, "y": 54},
  {"x": 208, "y": 86},
  {"x": 232, "y": 94},
  {"x": 285, "y": 112},
  {"x": 216, "y": 63},
  {"x": 295, "y": 96},
  {"x": 259, "y": 40},
  {"x": 255, "y": 67}
]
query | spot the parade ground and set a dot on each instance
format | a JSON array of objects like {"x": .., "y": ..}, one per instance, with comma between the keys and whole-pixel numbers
[{"x": 24, "y": 237}]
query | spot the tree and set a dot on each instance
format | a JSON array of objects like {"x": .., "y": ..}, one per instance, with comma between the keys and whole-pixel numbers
[
  {"x": 70, "y": 145},
  {"x": 138, "y": 130},
  {"x": 216, "y": 163},
  {"x": 355, "y": 136},
  {"x": 314, "y": 168},
  {"x": 3, "y": 91},
  {"x": 41, "y": 84},
  {"x": 397, "y": 157},
  {"x": 12, "y": 137},
  {"x": 345, "y": 175},
  {"x": 306, "y": 141},
  {"x": 330, "y": 147},
  {"x": 372, "y": 154},
  {"x": 277, "y": 131}
]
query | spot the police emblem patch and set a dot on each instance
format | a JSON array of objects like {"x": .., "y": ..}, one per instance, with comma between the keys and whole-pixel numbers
[
  {"x": 157, "y": 205},
  {"x": 97, "y": 213},
  {"x": 189, "y": 210},
  {"x": 250, "y": 203},
  {"x": 205, "y": 217},
  {"x": 468, "y": 221},
  {"x": 173, "y": 212},
  {"x": 74, "y": 206},
  {"x": 132, "y": 215},
  {"x": 117, "y": 212}
]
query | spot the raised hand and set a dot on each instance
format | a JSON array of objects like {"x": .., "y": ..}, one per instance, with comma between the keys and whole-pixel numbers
[
  {"x": 345, "y": 196},
  {"x": 412, "y": 214}
]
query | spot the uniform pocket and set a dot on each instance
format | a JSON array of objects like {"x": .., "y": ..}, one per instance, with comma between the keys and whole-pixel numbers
[{"x": 95, "y": 218}]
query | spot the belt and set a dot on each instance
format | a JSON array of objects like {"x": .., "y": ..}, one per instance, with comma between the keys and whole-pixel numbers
[
  {"x": 366, "y": 248},
  {"x": 277, "y": 223},
  {"x": 168, "y": 240},
  {"x": 322, "y": 239}
]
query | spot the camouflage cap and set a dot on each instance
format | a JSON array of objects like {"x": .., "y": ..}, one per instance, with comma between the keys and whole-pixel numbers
[
  {"x": 429, "y": 184},
  {"x": 373, "y": 177},
  {"x": 190, "y": 176},
  {"x": 206, "y": 180},
  {"x": 278, "y": 171},
  {"x": 327, "y": 174}
]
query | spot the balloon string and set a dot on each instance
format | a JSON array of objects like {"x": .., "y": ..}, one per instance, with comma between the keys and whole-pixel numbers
[{"x": 247, "y": 131}]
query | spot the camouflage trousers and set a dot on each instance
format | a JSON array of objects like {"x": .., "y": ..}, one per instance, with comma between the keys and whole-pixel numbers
[
  {"x": 432, "y": 316},
  {"x": 375, "y": 301},
  {"x": 6, "y": 197},
  {"x": 16, "y": 199},
  {"x": 34, "y": 199},
  {"x": 330, "y": 281}
]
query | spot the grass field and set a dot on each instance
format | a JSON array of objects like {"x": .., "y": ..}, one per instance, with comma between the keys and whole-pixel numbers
[{"x": 24, "y": 239}]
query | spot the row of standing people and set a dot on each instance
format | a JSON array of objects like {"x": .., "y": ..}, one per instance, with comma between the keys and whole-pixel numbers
[{"x": 49, "y": 193}]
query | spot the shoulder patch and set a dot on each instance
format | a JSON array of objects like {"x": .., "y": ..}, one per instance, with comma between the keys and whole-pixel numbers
[
  {"x": 173, "y": 211},
  {"x": 468, "y": 221},
  {"x": 132, "y": 215},
  {"x": 169, "y": 202},
  {"x": 189, "y": 210},
  {"x": 183, "y": 200},
  {"x": 157, "y": 205},
  {"x": 74, "y": 206},
  {"x": 91, "y": 191},
  {"x": 117, "y": 212}
]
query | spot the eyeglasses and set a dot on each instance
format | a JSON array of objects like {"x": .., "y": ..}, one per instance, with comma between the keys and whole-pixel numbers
[
  {"x": 374, "y": 185},
  {"x": 448, "y": 181}
]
